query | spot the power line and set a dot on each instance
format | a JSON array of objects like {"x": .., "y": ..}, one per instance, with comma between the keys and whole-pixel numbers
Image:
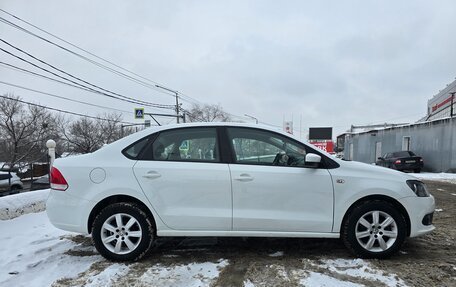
[
  {"x": 74, "y": 77},
  {"x": 62, "y": 111},
  {"x": 15, "y": 68},
  {"x": 83, "y": 57},
  {"x": 183, "y": 96},
  {"x": 63, "y": 98}
]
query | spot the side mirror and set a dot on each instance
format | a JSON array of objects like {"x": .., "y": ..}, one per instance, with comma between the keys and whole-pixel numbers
[{"x": 312, "y": 160}]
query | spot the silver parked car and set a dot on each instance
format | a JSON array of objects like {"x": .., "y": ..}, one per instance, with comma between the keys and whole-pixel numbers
[{"x": 10, "y": 183}]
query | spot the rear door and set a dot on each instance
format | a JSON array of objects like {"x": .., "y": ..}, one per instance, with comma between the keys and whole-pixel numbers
[{"x": 185, "y": 181}]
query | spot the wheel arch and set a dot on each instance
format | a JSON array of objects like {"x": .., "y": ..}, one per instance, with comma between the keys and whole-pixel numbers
[
  {"x": 116, "y": 199},
  {"x": 381, "y": 197}
]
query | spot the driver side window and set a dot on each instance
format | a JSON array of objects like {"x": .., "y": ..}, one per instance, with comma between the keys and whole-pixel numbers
[{"x": 252, "y": 146}]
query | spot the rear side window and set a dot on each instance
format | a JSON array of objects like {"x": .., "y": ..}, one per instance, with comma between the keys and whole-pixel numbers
[
  {"x": 187, "y": 144},
  {"x": 133, "y": 150}
]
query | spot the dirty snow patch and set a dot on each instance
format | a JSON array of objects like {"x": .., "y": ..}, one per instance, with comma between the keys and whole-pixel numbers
[
  {"x": 361, "y": 269},
  {"x": 108, "y": 276},
  {"x": 321, "y": 280},
  {"x": 276, "y": 254},
  {"x": 446, "y": 177},
  {"x": 15, "y": 205},
  {"x": 190, "y": 275},
  {"x": 248, "y": 283}
]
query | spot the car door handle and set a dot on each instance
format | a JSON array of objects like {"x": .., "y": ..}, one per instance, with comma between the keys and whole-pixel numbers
[
  {"x": 152, "y": 175},
  {"x": 244, "y": 177}
]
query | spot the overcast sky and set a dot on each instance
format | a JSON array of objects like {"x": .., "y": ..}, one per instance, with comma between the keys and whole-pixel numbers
[{"x": 333, "y": 63}]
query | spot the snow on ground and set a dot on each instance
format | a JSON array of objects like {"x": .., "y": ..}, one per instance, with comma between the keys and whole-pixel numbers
[
  {"x": 33, "y": 252},
  {"x": 12, "y": 206},
  {"x": 359, "y": 268},
  {"x": 322, "y": 280},
  {"x": 446, "y": 177},
  {"x": 185, "y": 275}
]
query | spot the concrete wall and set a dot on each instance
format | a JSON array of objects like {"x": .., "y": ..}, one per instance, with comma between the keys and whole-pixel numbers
[{"x": 435, "y": 141}]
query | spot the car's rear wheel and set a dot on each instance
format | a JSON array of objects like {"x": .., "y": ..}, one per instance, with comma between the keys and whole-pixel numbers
[
  {"x": 417, "y": 170},
  {"x": 123, "y": 232},
  {"x": 374, "y": 229}
]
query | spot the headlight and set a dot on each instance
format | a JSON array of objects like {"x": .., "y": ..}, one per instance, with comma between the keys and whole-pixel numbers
[{"x": 418, "y": 188}]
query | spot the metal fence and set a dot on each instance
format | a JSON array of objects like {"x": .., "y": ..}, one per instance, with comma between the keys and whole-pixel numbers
[
  {"x": 26, "y": 177},
  {"x": 435, "y": 141}
]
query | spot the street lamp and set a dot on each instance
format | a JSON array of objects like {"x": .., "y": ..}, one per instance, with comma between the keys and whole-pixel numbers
[
  {"x": 252, "y": 117},
  {"x": 177, "y": 99}
]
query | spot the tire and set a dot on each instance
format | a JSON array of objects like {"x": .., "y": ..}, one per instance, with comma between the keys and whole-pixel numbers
[
  {"x": 374, "y": 229},
  {"x": 417, "y": 170},
  {"x": 123, "y": 232},
  {"x": 15, "y": 189}
]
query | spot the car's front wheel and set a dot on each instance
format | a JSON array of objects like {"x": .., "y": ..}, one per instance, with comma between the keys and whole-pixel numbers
[
  {"x": 374, "y": 229},
  {"x": 122, "y": 232}
]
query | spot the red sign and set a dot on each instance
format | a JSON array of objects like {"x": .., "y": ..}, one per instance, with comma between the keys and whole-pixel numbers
[
  {"x": 327, "y": 146},
  {"x": 443, "y": 103}
]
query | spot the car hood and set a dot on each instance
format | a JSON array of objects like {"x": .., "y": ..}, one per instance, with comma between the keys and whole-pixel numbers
[{"x": 373, "y": 171}]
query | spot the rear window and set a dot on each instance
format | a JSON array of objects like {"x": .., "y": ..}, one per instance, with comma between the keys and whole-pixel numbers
[{"x": 403, "y": 154}]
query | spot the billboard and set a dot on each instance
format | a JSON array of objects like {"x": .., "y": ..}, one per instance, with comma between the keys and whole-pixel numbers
[
  {"x": 327, "y": 146},
  {"x": 320, "y": 134}
]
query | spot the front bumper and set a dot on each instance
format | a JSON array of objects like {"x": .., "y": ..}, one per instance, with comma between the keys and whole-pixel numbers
[
  {"x": 418, "y": 209},
  {"x": 67, "y": 212}
]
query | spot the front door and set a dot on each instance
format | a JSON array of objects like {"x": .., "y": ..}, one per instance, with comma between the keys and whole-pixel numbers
[{"x": 272, "y": 188}]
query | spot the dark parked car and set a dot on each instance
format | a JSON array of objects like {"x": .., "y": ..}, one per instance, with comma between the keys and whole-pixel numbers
[{"x": 401, "y": 160}]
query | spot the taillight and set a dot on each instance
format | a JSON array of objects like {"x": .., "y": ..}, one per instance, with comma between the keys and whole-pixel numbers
[
  {"x": 397, "y": 161},
  {"x": 58, "y": 182}
]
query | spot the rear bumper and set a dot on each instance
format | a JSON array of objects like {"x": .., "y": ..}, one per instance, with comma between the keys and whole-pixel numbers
[
  {"x": 67, "y": 212},
  {"x": 418, "y": 209},
  {"x": 408, "y": 166}
]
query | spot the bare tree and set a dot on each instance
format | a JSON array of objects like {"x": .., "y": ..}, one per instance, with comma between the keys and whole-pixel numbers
[
  {"x": 207, "y": 113},
  {"x": 88, "y": 135},
  {"x": 24, "y": 130}
]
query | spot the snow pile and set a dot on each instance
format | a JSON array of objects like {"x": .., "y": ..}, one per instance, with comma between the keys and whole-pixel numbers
[
  {"x": 33, "y": 253},
  {"x": 189, "y": 275},
  {"x": 446, "y": 177},
  {"x": 18, "y": 204}
]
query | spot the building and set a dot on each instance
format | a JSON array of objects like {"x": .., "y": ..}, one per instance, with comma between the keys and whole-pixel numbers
[
  {"x": 443, "y": 104},
  {"x": 433, "y": 137}
]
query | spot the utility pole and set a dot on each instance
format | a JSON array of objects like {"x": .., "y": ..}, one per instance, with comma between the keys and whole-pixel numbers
[{"x": 177, "y": 99}]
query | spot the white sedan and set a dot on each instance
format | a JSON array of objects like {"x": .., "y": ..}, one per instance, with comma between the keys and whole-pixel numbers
[{"x": 229, "y": 179}]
